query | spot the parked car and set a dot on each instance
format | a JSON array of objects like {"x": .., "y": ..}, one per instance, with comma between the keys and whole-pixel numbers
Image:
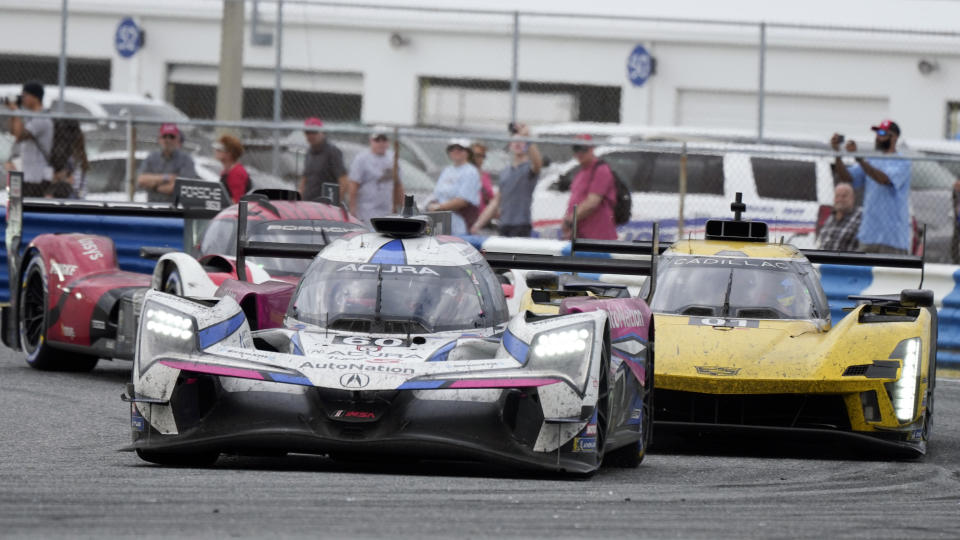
[
  {"x": 102, "y": 103},
  {"x": 106, "y": 178}
]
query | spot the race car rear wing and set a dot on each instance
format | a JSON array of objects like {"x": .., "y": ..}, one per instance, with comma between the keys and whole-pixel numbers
[{"x": 196, "y": 202}]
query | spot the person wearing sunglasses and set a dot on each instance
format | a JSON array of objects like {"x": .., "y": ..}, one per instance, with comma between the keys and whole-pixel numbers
[
  {"x": 885, "y": 226},
  {"x": 160, "y": 170}
]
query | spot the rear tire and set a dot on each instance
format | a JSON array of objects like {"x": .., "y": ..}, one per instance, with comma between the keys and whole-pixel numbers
[
  {"x": 179, "y": 459},
  {"x": 32, "y": 309}
]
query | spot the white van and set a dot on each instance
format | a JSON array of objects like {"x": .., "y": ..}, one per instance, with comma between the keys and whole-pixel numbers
[{"x": 780, "y": 185}]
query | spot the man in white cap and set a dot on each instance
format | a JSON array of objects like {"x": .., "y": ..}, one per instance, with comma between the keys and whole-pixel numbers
[
  {"x": 458, "y": 188},
  {"x": 373, "y": 190}
]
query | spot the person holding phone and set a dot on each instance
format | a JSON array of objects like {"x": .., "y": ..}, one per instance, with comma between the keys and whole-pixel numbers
[
  {"x": 517, "y": 181},
  {"x": 885, "y": 226}
]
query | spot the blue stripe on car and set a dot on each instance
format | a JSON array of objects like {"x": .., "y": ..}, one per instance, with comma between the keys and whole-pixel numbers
[
  {"x": 421, "y": 385},
  {"x": 442, "y": 352},
  {"x": 297, "y": 346},
  {"x": 291, "y": 379},
  {"x": 215, "y": 334},
  {"x": 390, "y": 253},
  {"x": 515, "y": 347}
]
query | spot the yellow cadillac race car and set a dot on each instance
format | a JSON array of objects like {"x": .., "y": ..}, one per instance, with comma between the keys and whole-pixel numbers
[{"x": 745, "y": 340}]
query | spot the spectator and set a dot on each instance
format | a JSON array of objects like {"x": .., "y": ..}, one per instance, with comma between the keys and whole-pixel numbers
[
  {"x": 324, "y": 164},
  {"x": 35, "y": 138},
  {"x": 478, "y": 154},
  {"x": 885, "y": 226},
  {"x": 458, "y": 188},
  {"x": 594, "y": 194},
  {"x": 517, "y": 180},
  {"x": 69, "y": 161},
  {"x": 839, "y": 232},
  {"x": 160, "y": 170},
  {"x": 228, "y": 150},
  {"x": 373, "y": 190}
]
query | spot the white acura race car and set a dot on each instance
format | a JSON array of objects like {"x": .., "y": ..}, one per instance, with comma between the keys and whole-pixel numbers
[{"x": 395, "y": 343}]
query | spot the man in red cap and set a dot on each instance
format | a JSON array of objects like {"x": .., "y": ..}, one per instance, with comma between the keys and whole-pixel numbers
[
  {"x": 323, "y": 164},
  {"x": 162, "y": 167},
  {"x": 594, "y": 194},
  {"x": 885, "y": 225}
]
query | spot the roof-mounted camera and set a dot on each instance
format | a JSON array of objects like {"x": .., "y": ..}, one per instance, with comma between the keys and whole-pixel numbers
[{"x": 737, "y": 229}]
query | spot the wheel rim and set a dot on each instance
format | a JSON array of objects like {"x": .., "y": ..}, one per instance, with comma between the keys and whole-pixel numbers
[{"x": 33, "y": 311}]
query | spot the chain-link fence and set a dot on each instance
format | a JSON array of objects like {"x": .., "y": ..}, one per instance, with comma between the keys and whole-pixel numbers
[
  {"x": 679, "y": 183},
  {"x": 747, "y": 107}
]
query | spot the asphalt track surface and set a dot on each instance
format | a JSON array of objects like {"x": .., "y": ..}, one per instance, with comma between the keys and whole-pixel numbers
[{"x": 61, "y": 475}]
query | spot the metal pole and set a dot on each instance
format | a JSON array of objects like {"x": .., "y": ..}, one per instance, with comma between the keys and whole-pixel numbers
[
  {"x": 131, "y": 158},
  {"x": 514, "y": 84},
  {"x": 62, "y": 68},
  {"x": 760, "y": 85},
  {"x": 277, "y": 91},
  {"x": 682, "y": 189},
  {"x": 230, "y": 74}
]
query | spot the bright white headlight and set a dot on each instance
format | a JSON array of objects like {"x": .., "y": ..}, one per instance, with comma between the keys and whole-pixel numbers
[
  {"x": 904, "y": 395},
  {"x": 169, "y": 324},
  {"x": 561, "y": 342}
]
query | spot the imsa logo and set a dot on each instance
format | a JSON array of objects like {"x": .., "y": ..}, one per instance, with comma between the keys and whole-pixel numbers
[{"x": 718, "y": 371}]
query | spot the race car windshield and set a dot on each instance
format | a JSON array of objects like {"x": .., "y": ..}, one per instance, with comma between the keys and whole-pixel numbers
[
  {"x": 221, "y": 238},
  {"x": 732, "y": 287},
  {"x": 392, "y": 298}
]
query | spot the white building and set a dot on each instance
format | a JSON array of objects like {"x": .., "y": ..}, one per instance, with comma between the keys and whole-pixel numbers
[{"x": 453, "y": 68}]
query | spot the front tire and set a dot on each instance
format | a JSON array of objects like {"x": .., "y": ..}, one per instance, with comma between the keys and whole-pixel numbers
[
  {"x": 172, "y": 282},
  {"x": 32, "y": 310},
  {"x": 603, "y": 404}
]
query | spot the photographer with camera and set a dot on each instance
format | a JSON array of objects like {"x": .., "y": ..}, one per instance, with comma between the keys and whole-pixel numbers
[{"x": 35, "y": 137}]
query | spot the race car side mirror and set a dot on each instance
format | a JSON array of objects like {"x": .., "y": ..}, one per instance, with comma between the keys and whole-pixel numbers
[
  {"x": 916, "y": 298},
  {"x": 155, "y": 252},
  {"x": 507, "y": 290}
]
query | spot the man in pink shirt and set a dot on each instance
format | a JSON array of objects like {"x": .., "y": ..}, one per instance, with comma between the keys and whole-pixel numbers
[{"x": 594, "y": 193}]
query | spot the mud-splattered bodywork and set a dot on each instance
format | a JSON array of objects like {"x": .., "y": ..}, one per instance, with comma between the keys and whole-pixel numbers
[
  {"x": 764, "y": 354},
  {"x": 523, "y": 391}
]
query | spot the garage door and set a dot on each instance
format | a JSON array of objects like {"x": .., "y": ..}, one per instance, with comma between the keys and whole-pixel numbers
[
  {"x": 794, "y": 114},
  {"x": 332, "y": 96}
]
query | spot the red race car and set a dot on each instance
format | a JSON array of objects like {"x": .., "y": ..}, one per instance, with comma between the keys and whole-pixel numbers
[{"x": 71, "y": 304}]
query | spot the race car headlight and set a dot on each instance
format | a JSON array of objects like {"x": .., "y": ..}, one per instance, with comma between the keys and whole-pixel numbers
[
  {"x": 169, "y": 324},
  {"x": 164, "y": 330},
  {"x": 563, "y": 349},
  {"x": 903, "y": 392}
]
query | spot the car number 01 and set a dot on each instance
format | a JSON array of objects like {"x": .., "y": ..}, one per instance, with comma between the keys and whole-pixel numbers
[
  {"x": 382, "y": 342},
  {"x": 726, "y": 323},
  {"x": 723, "y": 322}
]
